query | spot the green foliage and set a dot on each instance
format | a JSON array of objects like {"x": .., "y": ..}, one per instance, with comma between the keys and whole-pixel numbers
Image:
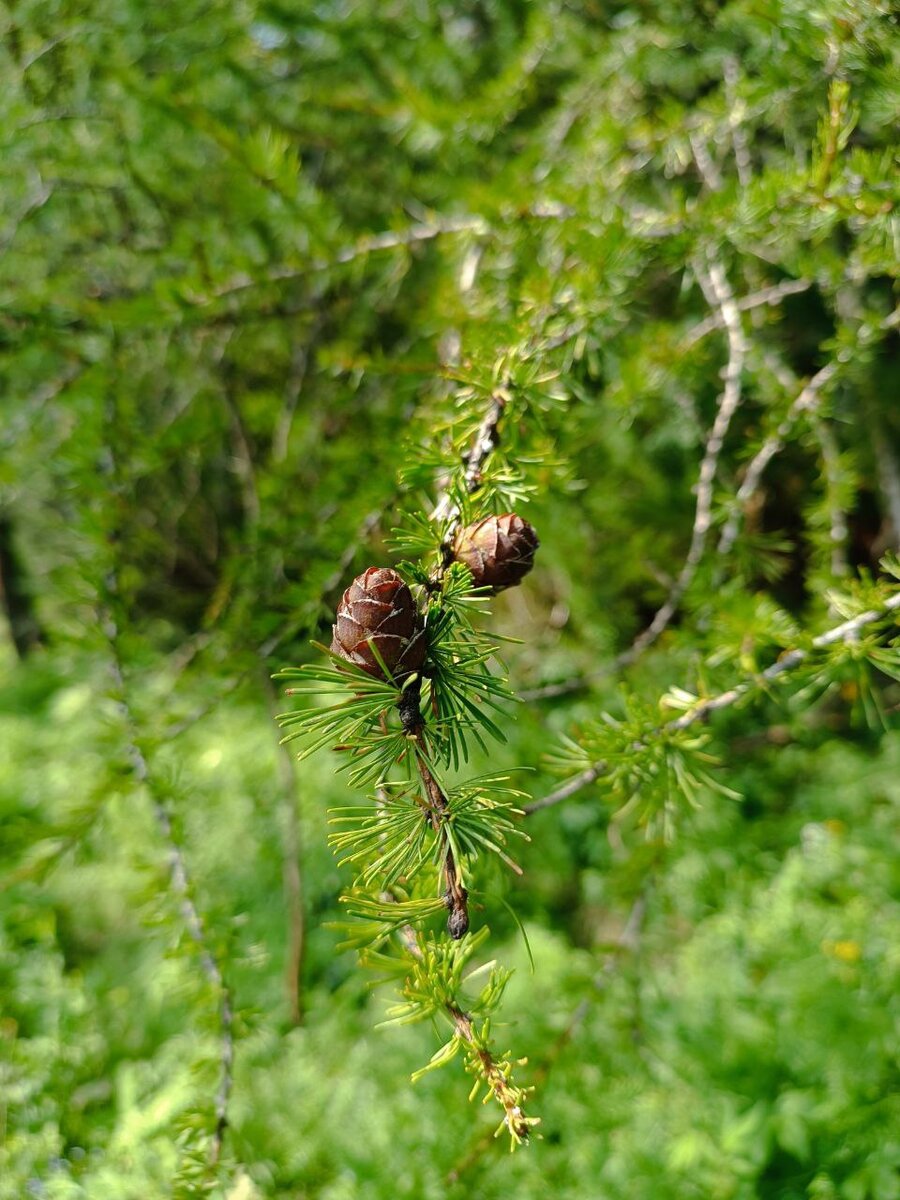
[{"x": 264, "y": 271}]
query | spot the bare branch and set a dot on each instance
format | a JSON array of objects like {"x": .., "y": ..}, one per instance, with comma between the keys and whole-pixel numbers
[
  {"x": 709, "y": 172},
  {"x": 806, "y": 402},
  {"x": 569, "y": 788},
  {"x": 739, "y": 142},
  {"x": 290, "y": 865},
  {"x": 770, "y": 295},
  {"x": 718, "y": 293},
  {"x": 180, "y": 882},
  {"x": 845, "y": 632}
]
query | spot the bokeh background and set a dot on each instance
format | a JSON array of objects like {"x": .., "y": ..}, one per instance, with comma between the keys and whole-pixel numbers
[{"x": 255, "y": 256}]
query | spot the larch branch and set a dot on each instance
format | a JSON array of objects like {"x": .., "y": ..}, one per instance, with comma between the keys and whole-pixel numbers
[
  {"x": 717, "y": 290},
  {"x": 845, "y": 631}
]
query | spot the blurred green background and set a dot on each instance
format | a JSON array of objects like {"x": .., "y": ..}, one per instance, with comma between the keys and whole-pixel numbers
[{"x": 254, "y": 257}]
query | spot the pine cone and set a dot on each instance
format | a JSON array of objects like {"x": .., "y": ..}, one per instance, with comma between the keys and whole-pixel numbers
[
  {"x": 499, "y": 551},
  {"x": 378, "y": 610}
]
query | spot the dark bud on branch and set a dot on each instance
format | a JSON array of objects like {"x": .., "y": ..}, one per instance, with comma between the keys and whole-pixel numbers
[
  {"x": 458, "y": 921},
  {"x": 378, "y": 613},
  {"x": 499, "y": 551}
]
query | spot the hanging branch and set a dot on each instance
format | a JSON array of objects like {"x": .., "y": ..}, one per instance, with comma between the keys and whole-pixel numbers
[
  {"x": 389, "y": 239},
  {"x": 719, "y": 294},
  {"x": 178, "y": 873},
  {"x": 806, "y": 402},
  {"x": 765, "y": 296},
  {"x": 496, "y": 1074},
  {"x": 626, "y": 944},
  {"x": 413, "y": 674},
  {"x": 108, "y": 605},
  {"x": 699, "y": 711},
  {"x": 739, "y": 143}
]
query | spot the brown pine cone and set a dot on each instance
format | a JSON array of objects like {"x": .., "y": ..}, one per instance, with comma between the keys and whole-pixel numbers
[
  {"x": 378, "y": 609},
  {"x": 499, "y": 551}
]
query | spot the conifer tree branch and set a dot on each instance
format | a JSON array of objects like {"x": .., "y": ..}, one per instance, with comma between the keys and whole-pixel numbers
[
  {"x": 436, "y": 806},
  {"x": 765, "y": 296},
  {"x": 180, "y": 878},
  {"x": 497, "y": 1079},
  {"x": 717, "y": 290},
  {"x": 739, "y": 143},
  {"x": 888, "y": 472},
  {"x": 844, "y": 632},
  {"x": 485, "y": 440},
  {"x": 709, "y": 171},
  {"x": 388, "y": 239},
  {"x": 806, "y": 402}
]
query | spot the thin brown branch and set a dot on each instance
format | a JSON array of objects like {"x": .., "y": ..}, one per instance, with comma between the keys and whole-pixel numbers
[
  {"x": 436, "y": 807},
  {"x": 498, "y": 1084},
  {"x": 494, "y": 1076},
  {"x": 628, "y": 943},
  {"x": 845, "y": 631}
]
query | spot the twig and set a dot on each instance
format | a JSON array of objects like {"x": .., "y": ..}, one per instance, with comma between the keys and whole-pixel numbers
[
  {"x": 515, "y": 1120},
  {"x": 180, "y": 882},
  {"x": 846, "y": 631},
  {"x": 436, "y": 807},
  {"x": 769, "y": 295},
  {"x": 719, "y": 294},
  {"x": 486, "y": 439},
  {"x": 709, "y": 172},
  {"x": 569, "y": 788},
  {"x": 389, "y": 239},
  {"x": 739, "y": 142},
  {"x": 293, "y": 387},
  {"x": 628, "y": 941},
  {"x": 806, "y": 402},
  {"x": 495, "y": 1078},
  {"x": 291, "y": 872}
]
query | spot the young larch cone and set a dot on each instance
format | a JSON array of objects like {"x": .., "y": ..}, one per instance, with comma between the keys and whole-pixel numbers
[
  {"x": 378, "y": 610},
  {"x": 499, "y": 551}
]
